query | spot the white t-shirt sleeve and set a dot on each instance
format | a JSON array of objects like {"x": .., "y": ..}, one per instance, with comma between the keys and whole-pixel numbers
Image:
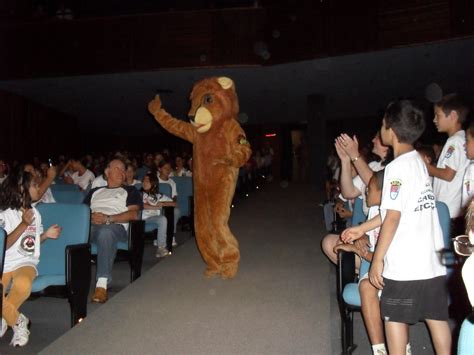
[
  {"x": 392, "y": 192},
  {"x": 455, "y": 155}
]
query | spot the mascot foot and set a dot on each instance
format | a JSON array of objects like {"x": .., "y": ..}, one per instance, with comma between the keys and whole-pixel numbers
[
  {"x": 209, "y": 273},
  {"x": 228, "y": 271}
]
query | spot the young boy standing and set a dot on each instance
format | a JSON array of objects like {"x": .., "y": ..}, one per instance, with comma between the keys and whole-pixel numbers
[
  {"x": 450, "y": 114},
  {"x": 405, "y": 264}
]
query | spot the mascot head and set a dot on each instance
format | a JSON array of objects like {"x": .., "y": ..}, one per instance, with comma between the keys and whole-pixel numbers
[{"x": 213, "y": 101}]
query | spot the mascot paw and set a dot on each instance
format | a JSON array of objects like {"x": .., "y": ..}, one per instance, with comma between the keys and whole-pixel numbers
[
  {"x": 154, "y": 106},
  {"x": 229, "y": 271},
  {"x": 223, "y": 161},
  {"x": 210, "y": 273}
]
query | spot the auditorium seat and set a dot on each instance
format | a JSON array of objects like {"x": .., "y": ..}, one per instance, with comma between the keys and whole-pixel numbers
[{"x": 66, "y": 260}]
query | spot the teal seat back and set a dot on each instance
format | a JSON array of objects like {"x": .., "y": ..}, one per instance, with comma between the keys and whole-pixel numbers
[
  {"x": 65, "y": 196},
  {"x": 445, "y": 222},
  {"x": 141, "y": 172},
  {"x": 165, "y": 189},
  {"x": 74, "y": 219},
  {"x": 184, "y": 187},
  {"x": 358, "y": 215}
]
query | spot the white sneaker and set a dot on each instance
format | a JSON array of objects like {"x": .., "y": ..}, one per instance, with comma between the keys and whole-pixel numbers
[
  {"x": 21, "y": 334},
  {"x": 155, "y": 243},
  {"x": 4, "y": 327},
  {"x": 162, "y": 252},
  {"x": 174, "y": 243}
]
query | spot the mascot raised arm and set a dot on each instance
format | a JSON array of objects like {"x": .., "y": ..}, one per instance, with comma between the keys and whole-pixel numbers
[{"x": 219, "y": 150}]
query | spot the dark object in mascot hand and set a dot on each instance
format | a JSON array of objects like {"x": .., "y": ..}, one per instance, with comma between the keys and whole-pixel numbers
[{"x": 220, "y": 148}]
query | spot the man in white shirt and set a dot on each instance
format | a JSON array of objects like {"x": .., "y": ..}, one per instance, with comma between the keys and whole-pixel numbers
[{"x": 112, "y": 207}]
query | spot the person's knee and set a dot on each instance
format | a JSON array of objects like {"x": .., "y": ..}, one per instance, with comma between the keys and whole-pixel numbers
[
  {"x": 22, "y": 284},
  {"x": 105, "y": 237},
  {"x": 328, "y": 244}
]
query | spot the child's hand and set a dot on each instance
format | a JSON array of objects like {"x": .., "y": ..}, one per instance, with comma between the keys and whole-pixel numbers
[
  {"x": 28, "y": 216},
  {"x": 346, "y": 247},
  {"x": 375, "y": 274},
  {"x": 351, "y": 234},
  {"x": 51, "y": 173},
  {"x": 362, "y": 245},
  {"x": 53, "y": 232}
]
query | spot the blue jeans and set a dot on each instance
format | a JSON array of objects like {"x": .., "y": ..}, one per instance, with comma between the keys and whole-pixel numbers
[
  {"x": 162, "y": 223},
  {"x": 106, "y": 238}
]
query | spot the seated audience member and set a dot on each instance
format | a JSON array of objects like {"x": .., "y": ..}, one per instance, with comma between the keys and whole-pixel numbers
[
  {"x": 153, "y": 202},
  {"x": 364, "y": 248},
  {"x": 157, "y": 159},
  {"x": 164, "y": 171},
  {"x": 180, "y": 169},
  {"x": 347, "y": 149},
  {"x": 3, "y": 170},
  {"x": 81, "y": 176},
  {"x": 130, "y": 176},
  {"x": 112, "y": 208},
  {"x": 22, "y": 223},
  {"x": 43, "y": 182}
]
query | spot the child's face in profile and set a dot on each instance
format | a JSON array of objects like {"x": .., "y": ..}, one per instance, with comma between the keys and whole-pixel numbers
[
  {"x": 374, "y": 195},
  {"x": 34, "y": 190},
  {"x": 441, "y": 121},
  {"x": 469, "y": 145}
]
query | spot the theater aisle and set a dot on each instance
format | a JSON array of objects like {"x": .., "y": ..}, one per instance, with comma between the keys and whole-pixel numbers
[{"x": 278, "y": 304}]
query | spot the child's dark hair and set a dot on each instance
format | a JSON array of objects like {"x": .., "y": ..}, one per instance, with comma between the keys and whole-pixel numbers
[
  {"x": 470, "y": 128},
  {"x": 428, "y": 151},
  {"x": 406, "y": 120},
  {"x": 155, "y": 183},
  {"x": 378, "y": 177},
  {"x": 14, "y": 191},
  {"x": 163, "y": 163},
  {"x": 454, "y": 102}
]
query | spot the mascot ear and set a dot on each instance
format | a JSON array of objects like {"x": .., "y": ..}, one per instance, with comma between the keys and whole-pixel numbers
[{"x": 225, "y": 83}]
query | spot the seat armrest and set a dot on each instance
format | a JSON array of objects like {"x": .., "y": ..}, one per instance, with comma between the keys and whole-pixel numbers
[
  {"x": 345, "y": 271},
  {"x": 168, "y": 211},
  {"x": 136, "y": 245},
  {"x": 78, "y": 279}
]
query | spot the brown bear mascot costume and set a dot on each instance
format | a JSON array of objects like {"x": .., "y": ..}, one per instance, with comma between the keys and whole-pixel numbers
[{"x": 219, "y": 150}]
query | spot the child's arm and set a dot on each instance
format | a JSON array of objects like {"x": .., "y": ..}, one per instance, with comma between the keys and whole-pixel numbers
[
  {"x": 353, "y": 233},
  {"x": 387, "y": 232},
  {"x": 53, "y": 232},
  {"x": 441, "y": 173},
  {"x": 348, "y": 189},
  {"x": 26, "y": 219}
]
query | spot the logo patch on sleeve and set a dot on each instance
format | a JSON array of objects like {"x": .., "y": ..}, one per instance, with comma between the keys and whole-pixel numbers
[
  {"x": 395, "y": 188},
  {"x": 450, "y": 151}
]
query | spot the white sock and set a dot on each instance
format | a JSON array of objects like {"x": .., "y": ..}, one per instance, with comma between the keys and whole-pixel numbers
[
  {"x": 379, "y": 349},
  {"x": 408, "y": 350},
  {"x": 102, "y": 282}
]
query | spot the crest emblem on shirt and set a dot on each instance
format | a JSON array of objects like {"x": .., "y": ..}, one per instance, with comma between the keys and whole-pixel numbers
[
  {"x": 450, "y": 151},
  {"x": 27, "y": 244},
  {"x": 395, "y": 188}
]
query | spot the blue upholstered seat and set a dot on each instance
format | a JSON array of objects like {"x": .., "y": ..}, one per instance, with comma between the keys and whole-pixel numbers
[
  {"x": 358, "y": 215},
  {"x": 466, "y": 336},
  {"x": 75, "y": 222},
  {"x": 66, "y": 261},
  {"x": 184, "y": 187},
  {"x": 65, "y": 193},
  {"x": 165, "y": 189}
]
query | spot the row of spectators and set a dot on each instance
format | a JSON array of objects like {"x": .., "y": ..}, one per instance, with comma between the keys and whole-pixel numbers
[{"x": 402, "y": 236}]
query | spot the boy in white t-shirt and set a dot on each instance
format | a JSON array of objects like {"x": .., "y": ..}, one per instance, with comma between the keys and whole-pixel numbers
[
  {"x": 468, "y": 180},
  {"x": 450, "y": 114},
  {"x": 405, "y": 264}
]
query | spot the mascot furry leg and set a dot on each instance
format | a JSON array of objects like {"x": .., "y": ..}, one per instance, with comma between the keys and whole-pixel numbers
[{"x": 219, "y": 150}]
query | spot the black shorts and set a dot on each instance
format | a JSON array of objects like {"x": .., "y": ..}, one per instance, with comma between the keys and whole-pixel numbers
[{"x": 414, "y": 301}]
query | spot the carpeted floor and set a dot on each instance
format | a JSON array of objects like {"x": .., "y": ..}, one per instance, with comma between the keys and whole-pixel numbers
[{"x": 282, "y": 301}]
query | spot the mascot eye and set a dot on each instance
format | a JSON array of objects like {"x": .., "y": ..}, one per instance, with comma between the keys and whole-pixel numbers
[{"x": 207, "y": 99}]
